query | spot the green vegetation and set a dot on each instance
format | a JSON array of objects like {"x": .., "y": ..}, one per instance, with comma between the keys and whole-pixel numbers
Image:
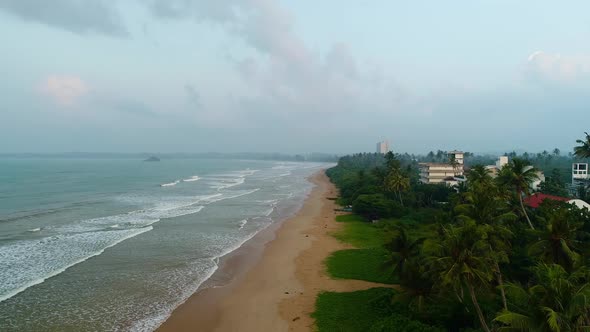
[
  {"x": 361, "y": 234},
  {"x": 583, "y": 150},
  {"x": 368, "y": 310},
  {"x": 368, "y": 262},
  {"x": 473, "y": 257},
  {"x": 361, "y": 264},
  {"x": 353, "y": 311},
  {"x": 349, "y": 218}
]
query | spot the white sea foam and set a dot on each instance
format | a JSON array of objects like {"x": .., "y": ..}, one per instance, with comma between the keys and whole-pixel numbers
[
  {"x": 268, "y": 212},
  {"x": 227, "y": 183},
  {"x": 242, "y": 223},
  {"x": 79, "y": 241},
  {"x": 230, "y": 195},
  {"x": 35, "y": 229},
  {"x": 192, "y": 179},
  {"x": 28, "y": 263},
  {"x": 171, "y": 184},
  {"x": 269, "y": 201}
]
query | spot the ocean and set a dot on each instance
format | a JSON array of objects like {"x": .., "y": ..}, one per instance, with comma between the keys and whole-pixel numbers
[{"x": 117, "y": 244}]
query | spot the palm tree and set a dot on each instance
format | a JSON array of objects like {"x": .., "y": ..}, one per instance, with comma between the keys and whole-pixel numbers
[
  {"x": 479, "y": 174},
  {"x": 415, "y": 287},
  {"x": 519, "y": 175},
  {"x": 556, "y": 301},
  {"x": 583, "y": 151},
  {"x": 396, "y": 182},
  {"x": 401, "y": 249},
  {"x": 484, "y": 205},
  {"x": 462, "y": 261},
  {"x": 557, "y": 244}
]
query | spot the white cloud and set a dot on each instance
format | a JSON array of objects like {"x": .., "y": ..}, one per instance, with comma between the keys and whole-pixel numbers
[
  {"x": 558, "y": 67},
  {"x": 65, "y": 90}
]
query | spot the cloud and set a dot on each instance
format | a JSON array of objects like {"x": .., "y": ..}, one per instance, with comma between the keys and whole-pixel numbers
[
  {"x": 129, "y": 106},
  {"x": 555, "y": 67},
  {"x": 77, "y": 16},
  {"x": 287, "y": 76},
  {"x": 64, "y": 90},
  {"x": 194, "y": 99}
]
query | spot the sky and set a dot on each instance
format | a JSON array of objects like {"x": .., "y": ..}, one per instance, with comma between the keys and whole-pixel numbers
[{"x": 293, "y": 76}]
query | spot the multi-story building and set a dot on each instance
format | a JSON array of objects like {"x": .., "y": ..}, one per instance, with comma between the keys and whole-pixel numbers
[
  {"x": 383, "y": 147},
  {"x": 579, "y": 173},
  {"x": 443, "y": 172}
]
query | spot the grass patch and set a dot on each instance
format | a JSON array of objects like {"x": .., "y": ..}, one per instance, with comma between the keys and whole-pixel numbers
[
  {"x": 360, "y": 264},
  {"x": 360, "y": 233},
  {"x": 349, "y": 218},
  {"x": 353, "y": 311},
  {"x": 368, "y": 310}
]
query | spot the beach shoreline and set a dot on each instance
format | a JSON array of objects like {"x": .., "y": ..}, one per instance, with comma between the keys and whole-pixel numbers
[
  {"x": 207, "y": 309},
  {"x": 272, "y": 281}
]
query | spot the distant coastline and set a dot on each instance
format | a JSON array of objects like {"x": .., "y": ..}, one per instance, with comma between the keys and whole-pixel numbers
[{"x": 273, "y": 156}]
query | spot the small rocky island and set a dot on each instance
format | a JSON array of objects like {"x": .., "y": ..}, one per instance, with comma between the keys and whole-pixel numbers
[{"x": 153, "y": 158}]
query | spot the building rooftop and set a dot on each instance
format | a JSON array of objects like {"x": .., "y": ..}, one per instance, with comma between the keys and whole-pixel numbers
[
  {"x": 536, "y": 199},
  {"x": 455, "y": 151},
  {"x": 435, "y": 164}
]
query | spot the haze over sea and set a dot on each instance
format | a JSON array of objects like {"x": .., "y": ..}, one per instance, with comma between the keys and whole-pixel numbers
[{"x": 117, "y": 244}]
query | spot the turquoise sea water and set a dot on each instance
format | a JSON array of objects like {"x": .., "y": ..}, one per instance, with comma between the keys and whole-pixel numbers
[{"x": 105, "y": 245}]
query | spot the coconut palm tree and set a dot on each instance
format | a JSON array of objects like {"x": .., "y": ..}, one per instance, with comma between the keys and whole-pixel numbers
[
  {"x": 397, "y": 182},
  {"x": 415, "y": 286},
  {"x": 558, "y": 243},
  {"x": 556, "y": 301},
  {"x": 462, "y": 261},
  {"x": 401, "y": 249},
  {"x": 483, "y": 205},
  {"x": 479, "y": 174},
  {"x": 583, "y": 151},
  {"x": 519, "y": 175}
]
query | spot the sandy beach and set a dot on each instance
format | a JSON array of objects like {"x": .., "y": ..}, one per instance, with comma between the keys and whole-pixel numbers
[{"x": 273, "y": 280}]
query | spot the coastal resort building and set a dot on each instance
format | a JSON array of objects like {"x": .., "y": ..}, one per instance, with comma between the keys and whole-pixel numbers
[
  {"x": 448, "y": 173},
  {"x": 383, "y": 147}
]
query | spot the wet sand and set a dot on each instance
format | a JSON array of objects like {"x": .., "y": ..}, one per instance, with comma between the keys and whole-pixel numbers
[{"x": 271, "y": 282}]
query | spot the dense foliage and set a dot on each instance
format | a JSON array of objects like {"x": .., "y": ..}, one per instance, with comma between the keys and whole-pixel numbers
[{"x": 476, "y": 258}]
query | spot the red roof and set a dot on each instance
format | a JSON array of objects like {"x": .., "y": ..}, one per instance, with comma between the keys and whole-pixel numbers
[{"x": 536, "y": 199}]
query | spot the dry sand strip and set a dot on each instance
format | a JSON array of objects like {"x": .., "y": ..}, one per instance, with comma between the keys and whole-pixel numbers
[
  {"x": 278, "y": 292},
  {"x": 310, "y": 268}
]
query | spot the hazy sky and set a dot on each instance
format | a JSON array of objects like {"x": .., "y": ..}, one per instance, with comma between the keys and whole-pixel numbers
[{"x": 293, "y": 75}]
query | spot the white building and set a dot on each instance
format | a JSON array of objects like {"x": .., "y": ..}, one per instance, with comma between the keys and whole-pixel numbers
[
  {"x": 383, "y": 147},
  {"x": 502, "y": 160},
  {"x": 580, "y": 174},
  {"x": 536, "y": 185},
  {"x": 443, "y": 172},
  {"x": 458, "y": 156}
]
